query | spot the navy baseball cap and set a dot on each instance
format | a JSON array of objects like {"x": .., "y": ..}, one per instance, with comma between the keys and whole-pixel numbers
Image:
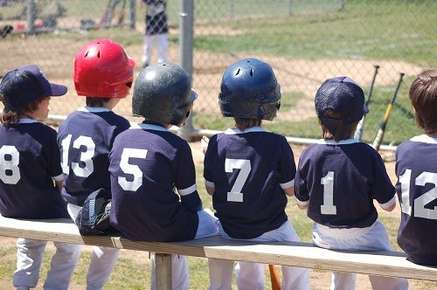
[
  {"x": 25, "y": 85},
  {"x": 343, "y": 96}
]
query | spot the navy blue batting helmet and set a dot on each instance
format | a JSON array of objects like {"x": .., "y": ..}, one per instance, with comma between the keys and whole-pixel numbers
[{"x": 249, "y": 90}]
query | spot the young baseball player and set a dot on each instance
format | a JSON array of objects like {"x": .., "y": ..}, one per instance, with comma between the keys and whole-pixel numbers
[
  {"x": 156, "y": 34},
  {"x": 339, "y": 178},
  {"x": 417, "y": 176},
  {"x": 30, "y": 173},
  {"x": 249, "y": 172},
  {"x": 153, "y": 180},
  {"x": 103, "y": 73}
]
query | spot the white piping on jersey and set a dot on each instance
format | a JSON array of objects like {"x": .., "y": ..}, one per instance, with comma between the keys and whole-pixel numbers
[
  {"x": 209, "y": 183},
  {"x": 389, "y": 203},
  {"x": 27, "y": 121},
  {"x": 341, "y": 142},
  {"x": 59, "y": 178},
  {"x": 149, "y": 127},
  {"x": 233, "y": 131},
  {"x": 287, "y": 185},
  {"x": 424, "y": 139},
  {"x": 188, "y": 190},
  {"x": 94, "y": 109}
]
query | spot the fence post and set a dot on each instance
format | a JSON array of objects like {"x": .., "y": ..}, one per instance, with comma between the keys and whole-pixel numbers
[
  {"x": 342, "y": 5},
  {"x": 132, "y": 14},
  {"x": 232, "y": 8},
  {"x": 186, "y": 53},
  {"x": 290, "y": 7},
  {"x": 31, "y": 16}
]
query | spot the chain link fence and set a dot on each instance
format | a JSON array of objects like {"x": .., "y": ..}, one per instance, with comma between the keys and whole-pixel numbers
[{"x": 306, "y": 41}]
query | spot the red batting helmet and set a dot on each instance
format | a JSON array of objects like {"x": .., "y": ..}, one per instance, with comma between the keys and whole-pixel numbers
[{"x": 103, "y": 69}]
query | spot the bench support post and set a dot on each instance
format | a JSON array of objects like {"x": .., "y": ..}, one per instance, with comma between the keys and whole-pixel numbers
[{"x": 163, "y": 271}]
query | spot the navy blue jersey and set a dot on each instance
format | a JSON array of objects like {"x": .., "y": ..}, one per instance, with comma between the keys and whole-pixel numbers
[
  {"x": 29, "y": 161},
  {"x": 85, "y": 140},
  {"x": 148, "y": 166},
  {"x": 340, "y": 181},
  {"x": 416, "y": 168},
  {"x": 247, "y": 170}
]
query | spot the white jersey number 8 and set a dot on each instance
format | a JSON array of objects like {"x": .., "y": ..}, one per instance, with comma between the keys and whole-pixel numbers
[
  {"x": 9, "y": 161},
  {"x": 235, "y": 195}
]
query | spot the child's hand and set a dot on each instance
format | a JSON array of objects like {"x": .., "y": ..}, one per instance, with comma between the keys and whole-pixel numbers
[{"x": 204, "y": 144}]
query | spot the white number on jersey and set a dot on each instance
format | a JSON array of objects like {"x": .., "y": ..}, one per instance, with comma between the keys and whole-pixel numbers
[
  {"x": 9, "y": 171},
  {"x": 131, "y": 169},
  {"x": 328, "y": 207},
  {"x": 419, "y": 202},
  {"x": 235, "y": 195},
  {"x": 85, "y": 156}
]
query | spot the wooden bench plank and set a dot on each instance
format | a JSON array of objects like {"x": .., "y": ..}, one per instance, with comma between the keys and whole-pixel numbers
[{"x": 391, "y": 264}]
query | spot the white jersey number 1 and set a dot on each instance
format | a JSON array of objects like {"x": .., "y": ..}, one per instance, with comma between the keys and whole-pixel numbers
[{"x": 328, "y": 207}]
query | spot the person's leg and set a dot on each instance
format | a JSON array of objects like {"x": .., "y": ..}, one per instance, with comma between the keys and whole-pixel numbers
[
  {"x": 342, "y": 281},
  {"x": 162, "y": 40},
  {"x": 292, "y": 277},
  {"x": 147, "y": 52},
  {"x": 180, "y": 277},
  {"x": 378, "y": 238},
  {"x": 208, "y": 224},
  {"x": 250, "y": 276},
  {"x": 62, "y": 266},
  {"x": 220, "y": 274},
  {"x": 102, "y": 262},
  {"x": 29, "y": 258}
]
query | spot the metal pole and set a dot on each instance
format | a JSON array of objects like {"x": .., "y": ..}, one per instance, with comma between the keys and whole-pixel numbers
[
  {"x": 132, "y": 14},
  {"x": 186, "y": 54},
  {"x": 231, "y": 9},
  {"x": 290, "y": 7},
  {"x": 31, "y": 16}
]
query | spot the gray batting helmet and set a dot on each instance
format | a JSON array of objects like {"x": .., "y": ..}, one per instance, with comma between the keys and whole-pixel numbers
[{"x": 162, "y": 93}]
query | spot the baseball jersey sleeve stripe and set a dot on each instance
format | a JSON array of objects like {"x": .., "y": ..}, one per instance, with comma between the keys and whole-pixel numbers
[
  {"x": 389, "y": 203},
  {"x": 288, "y": 184},
  {"x": 209, "y": 183},
  {"x": 60, "y": 177},
  {"x": 188, "y": 190}
]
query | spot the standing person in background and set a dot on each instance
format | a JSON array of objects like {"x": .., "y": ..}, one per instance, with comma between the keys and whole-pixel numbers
[{"x": 156, "y": 33}]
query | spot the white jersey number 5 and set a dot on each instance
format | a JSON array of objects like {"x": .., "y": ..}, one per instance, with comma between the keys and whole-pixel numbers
[
  {"x": 134, "y": 170},
  {"x": 9, "y": 161},
  {"x": 235, "y": 195}
]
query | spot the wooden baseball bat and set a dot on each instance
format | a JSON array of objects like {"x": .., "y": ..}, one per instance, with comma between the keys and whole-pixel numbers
[
  {"x": 274, "y": 277},
  {"x": 360, "y": 127},
  {"x": 380, "y": 135}
]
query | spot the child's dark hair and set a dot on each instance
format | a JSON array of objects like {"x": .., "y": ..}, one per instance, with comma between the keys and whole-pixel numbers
[
  {"x": 9, "y": 116},
  {"x": 423, "y": 96},
  {"x": 243, "y": 123},
  {"x": 96, "y": 102},
  {"x": 333, "y": 127}
]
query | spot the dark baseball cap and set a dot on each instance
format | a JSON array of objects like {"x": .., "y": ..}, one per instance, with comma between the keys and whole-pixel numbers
[
  {"x": 343, "y": 96},
  {"x": 25, "y": 85}
]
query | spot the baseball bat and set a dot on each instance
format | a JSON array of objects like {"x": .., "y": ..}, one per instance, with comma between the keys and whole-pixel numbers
[
  {"x": 360, "y": 127},
  {"x": 380, "y": 135},
  {"x": 274, "y": 277}
]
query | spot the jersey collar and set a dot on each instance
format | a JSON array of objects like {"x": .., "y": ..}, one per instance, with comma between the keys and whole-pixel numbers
[
  {"x": 424, "y": 139},
  {"x": 149, "y": 127},
  {"x": 94, "y": 109},
  {"x": 27, "y": 121},
  {"x": 342, "y": 142},
  {"x": 233, "y": 131}
]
